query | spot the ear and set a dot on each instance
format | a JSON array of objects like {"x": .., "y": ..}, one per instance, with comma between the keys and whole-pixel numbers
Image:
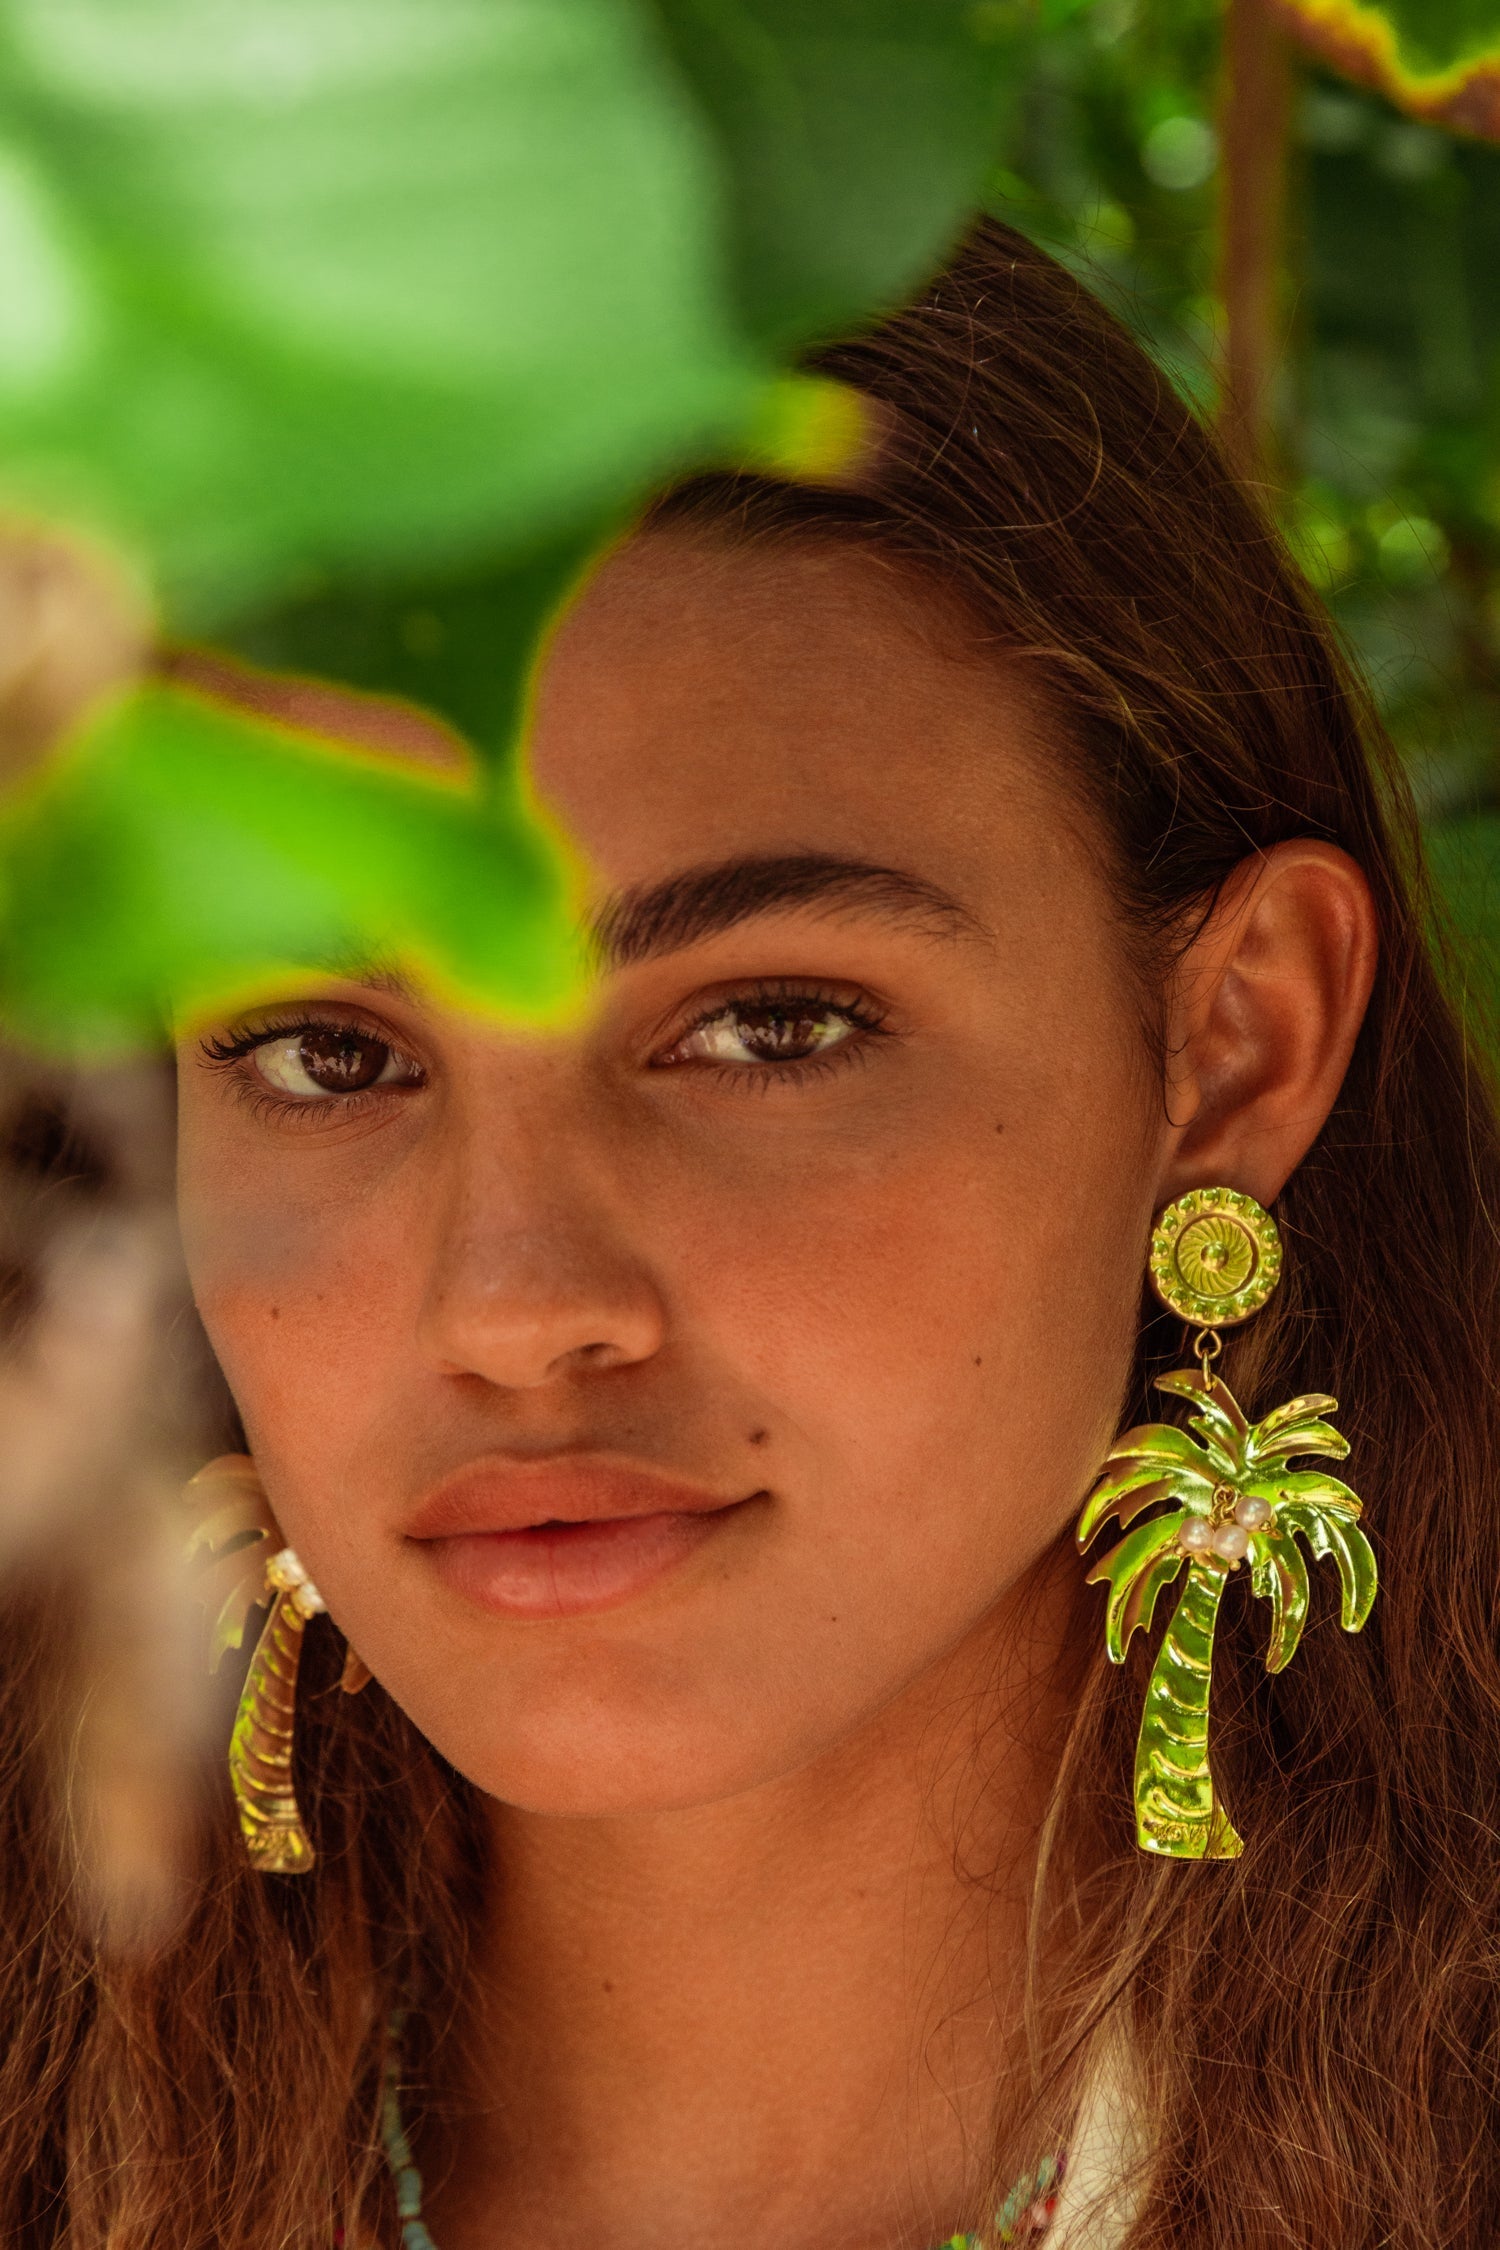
[{"x": 1263, "y": 1014}]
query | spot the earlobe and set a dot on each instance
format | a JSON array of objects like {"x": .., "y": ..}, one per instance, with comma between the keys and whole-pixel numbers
[{"x": 1264, "y": 1011}]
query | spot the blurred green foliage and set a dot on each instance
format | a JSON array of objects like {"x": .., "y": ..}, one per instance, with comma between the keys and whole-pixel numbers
[
  {"x": 175, "y": 820},
  {"x": 1388, "y": 411},
  {"x": 353, "y": 327},
  {"x": 1439, "y": 59}
]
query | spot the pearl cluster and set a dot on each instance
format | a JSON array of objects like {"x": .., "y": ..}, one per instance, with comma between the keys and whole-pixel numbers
[
  {"x": 1229, "y": 1541},
  {"x": 288, "y": 1574}
]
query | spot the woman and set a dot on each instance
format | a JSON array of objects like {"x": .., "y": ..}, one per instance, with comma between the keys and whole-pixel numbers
[{"x": 684, "y": 1416}]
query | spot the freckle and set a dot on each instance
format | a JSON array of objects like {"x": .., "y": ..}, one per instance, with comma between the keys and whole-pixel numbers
[{"x": 759, "y": 1437}]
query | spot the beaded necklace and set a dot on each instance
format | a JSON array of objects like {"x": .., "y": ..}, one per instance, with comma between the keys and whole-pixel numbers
[{"x": 1027, "y": 2210}]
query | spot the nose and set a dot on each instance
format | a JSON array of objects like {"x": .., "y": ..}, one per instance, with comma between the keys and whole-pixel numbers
[{"x": 533, "y": 1279}]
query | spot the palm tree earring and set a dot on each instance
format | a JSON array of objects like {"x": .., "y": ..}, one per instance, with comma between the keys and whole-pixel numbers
[
  {"x": 1232, "y": 1497},
  {"x": 252, "y": 1569}
]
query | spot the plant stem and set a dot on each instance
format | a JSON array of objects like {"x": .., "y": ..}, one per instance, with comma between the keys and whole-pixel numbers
[{"x": 1254, "y": 128}]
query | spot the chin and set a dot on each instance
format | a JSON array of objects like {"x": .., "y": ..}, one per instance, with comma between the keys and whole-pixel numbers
[
  {"x": 585, "y": 1753},
  {"x": 564, "y": 1781}
]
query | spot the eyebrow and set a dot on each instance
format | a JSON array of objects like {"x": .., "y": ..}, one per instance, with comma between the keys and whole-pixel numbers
[
  {"x": 651, "y": 919},
  {"x": 638, "y": 924}
]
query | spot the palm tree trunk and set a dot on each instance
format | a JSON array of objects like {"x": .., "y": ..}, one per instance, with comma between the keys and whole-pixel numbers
[
  {"x": 1177, "y": 1813},
  {"x": 262, "y": 1747}
]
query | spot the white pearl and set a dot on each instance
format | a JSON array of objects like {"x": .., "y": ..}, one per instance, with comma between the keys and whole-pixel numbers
[
  {"x": 1253, "y": 1514},
  {"x": 1232, "y": 1541},
  {"x": 1194, "y": 1536},
  {"x": 284, "y": 1571},
  {"x": 287, "y": 1573}
]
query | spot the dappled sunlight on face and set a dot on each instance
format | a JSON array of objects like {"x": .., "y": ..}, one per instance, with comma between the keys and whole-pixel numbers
[{"x": 659, "y": 1401}]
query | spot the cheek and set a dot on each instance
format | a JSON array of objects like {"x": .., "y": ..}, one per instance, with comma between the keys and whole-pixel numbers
[
  {"x": 299, "y": 1286},
  {"x": 940, "y": 1315}
]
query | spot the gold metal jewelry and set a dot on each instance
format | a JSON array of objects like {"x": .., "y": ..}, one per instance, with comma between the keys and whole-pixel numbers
[
  {"x": 250, "y": 1570},
  {"x": 1232, "y": 1497},
  {"x": 1215, "y": 1257}
]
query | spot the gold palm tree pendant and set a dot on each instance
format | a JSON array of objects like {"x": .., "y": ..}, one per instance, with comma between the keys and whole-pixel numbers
[
  {"x": 251, "y": 1569},
  {"x": 1233, "y": 1498},
  {"x": 261, "y": 1746}
]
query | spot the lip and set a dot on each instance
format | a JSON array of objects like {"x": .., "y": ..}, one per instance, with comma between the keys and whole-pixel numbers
[{"x": 564, "y": 1537}]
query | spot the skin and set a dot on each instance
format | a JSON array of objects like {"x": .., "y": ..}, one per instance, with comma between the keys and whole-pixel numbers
[{"x": 763, "y": 1828}]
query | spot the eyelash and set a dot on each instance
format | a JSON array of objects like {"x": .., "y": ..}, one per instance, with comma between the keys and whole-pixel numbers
[
  {"x": 863, "y": 1016},
  {"x": 229, "y": 1053}
]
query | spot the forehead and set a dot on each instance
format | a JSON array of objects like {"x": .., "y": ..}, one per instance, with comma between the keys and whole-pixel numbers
[{"x": 706, "y": 701}]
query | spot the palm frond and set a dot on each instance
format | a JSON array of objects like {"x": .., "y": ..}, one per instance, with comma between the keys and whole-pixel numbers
[
  {"x": 1215, "y": 1402},
  {"x": 1140, "y": 1604},
  {"x": 1304, "y": 1409},
  {"x": 1124, "y": 1565},
  {"x": 1280, "y": 1576},
  {"x": 1329, "y": 1534},
  {"x": 1315, "y": 1487},
  {"x": 1165, "y": 1444},
  {"x": 1217, "y": 1416},
  {"x": 1298, "y": 1437},
  {"x": 1123, "y": 1496},
  {"x": 239, "y": 1531},
  {"x": 1155, "y": 1441}
]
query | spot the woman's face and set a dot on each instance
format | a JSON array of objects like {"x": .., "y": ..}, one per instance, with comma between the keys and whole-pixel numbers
[{"x": 657, "y": 1401}]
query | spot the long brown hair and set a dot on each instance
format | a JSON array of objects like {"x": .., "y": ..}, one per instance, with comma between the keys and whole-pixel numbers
[{"x": 1317, "y": 2025}]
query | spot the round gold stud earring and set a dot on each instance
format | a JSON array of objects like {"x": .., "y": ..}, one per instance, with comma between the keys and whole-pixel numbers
[{"x": 1215, "y": 1257}]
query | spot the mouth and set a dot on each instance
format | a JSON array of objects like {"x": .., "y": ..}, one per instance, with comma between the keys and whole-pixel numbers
[{"x": 564, "y": 1537}]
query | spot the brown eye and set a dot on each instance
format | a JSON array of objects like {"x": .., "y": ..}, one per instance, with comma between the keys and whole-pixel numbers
[
  {"x": 327, "y": 1059},
  {"x": 767, "y": 1031},
  {"x": 785, "y": 1034}
]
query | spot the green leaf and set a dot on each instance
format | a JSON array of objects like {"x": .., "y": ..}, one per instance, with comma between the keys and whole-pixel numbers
[
  {"x": 357, "y": 325},
  {"x": 182, "y": 856},
  {"x": 1124, "y": 1567},
  {"x": 305, "y": 283},
  {"x": 1280, "y": 1575},
  {"x": 857, "y": 135},
  {"x": 463, "y": 645},
  {"x": 1335, "y": 1535},
  {"x": 1439, "y": 59}
]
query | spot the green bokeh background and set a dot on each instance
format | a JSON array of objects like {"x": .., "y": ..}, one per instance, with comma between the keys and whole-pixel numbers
[{"x": 1387, "y": 411}]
